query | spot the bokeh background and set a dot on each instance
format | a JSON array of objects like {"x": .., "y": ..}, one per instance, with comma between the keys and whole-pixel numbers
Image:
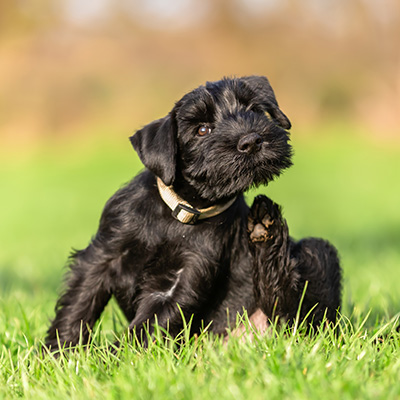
[
  {"x": 72, "y": 68},
  {"x": 77, "y": 78}
]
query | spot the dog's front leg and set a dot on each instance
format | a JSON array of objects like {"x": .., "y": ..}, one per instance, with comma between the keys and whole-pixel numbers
[
  {"x": 153, "y": 311},
  {"x": 186, "y": 295}
]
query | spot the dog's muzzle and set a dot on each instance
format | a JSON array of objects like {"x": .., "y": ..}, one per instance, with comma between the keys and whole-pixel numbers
[{"x": 183, "y": 211}]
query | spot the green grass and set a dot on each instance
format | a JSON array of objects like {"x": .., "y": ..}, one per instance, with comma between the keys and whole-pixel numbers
[{"x": 345, "y": 190}]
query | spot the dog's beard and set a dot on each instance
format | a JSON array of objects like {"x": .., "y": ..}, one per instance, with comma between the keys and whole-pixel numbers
[{"x": 222, "y": 171}]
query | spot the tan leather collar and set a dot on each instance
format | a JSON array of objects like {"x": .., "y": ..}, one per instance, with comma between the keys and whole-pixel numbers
[{"x": 183, "y": 211}]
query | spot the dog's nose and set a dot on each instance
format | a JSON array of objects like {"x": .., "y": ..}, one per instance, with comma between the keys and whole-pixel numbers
[{"x": 250, "y": 143}]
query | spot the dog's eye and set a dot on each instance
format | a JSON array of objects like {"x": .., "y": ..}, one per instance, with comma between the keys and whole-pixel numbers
[{"x": 204, "y": 130}]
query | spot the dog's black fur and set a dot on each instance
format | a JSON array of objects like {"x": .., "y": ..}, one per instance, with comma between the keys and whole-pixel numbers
[
  {"x": 282, "y": 267},
  {"x": 150, "y": 261}
]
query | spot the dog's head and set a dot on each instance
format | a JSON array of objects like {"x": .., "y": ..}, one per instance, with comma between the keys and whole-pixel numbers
[{"x": 221, "y": 138}]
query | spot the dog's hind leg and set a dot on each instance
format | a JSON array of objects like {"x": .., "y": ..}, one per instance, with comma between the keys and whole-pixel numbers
[
  {"x": 282, "y": 267},
  {"x": 318, "y": 264},
  {"x": 86, "y": 295},
  {"x": 92, "y": 276}
]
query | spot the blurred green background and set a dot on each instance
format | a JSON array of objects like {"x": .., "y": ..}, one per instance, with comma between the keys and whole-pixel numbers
[{"x": 78, "y": 78}]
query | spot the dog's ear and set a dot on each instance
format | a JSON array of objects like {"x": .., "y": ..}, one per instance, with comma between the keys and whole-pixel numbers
[
  {"x": 156, "y": 147},
  {"x": 262, "y": 88}
]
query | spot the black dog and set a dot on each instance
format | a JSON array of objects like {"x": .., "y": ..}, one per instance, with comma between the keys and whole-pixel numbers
[
  {"x": 282, "y": 267},
  {"x": 218, "y": 141}
]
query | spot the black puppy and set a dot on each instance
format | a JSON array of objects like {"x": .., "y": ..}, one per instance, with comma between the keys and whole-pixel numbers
[
  {"x": 282, "y": 267},
  {"x": 177, "y": 233}
]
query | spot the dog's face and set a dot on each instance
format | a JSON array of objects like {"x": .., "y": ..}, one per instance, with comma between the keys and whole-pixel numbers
[{"x": 223, "y": 138}]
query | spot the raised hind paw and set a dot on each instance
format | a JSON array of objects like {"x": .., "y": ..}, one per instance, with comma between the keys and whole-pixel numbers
[{"x": 264, "y": 221}]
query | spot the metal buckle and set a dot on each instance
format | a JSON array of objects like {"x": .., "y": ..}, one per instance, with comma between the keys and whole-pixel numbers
[{"x": 182, "y": 207}]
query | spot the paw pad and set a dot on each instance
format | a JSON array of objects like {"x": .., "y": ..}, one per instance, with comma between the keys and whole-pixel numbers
[
  {"x": 258, "y": 230},
  {"x": 259, "y": 234}
]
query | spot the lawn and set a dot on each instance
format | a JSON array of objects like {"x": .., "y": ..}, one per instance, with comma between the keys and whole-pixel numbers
[{"x": 341, "y": 187}]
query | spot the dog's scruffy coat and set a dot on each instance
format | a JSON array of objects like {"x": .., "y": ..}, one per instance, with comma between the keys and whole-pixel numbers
[{"x": 218, "y": 140}]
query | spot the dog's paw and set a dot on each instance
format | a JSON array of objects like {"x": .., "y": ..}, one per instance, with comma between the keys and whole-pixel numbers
[{"x": 264, "y": 217}]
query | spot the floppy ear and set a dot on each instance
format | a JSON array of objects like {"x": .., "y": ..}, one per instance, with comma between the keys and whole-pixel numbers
[
  {"x": 262, "y": 88},
  {"x": 156, "y": 147}
]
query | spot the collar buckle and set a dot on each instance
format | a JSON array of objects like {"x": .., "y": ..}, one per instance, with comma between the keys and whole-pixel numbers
[{"x": 186, "y": 214}]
